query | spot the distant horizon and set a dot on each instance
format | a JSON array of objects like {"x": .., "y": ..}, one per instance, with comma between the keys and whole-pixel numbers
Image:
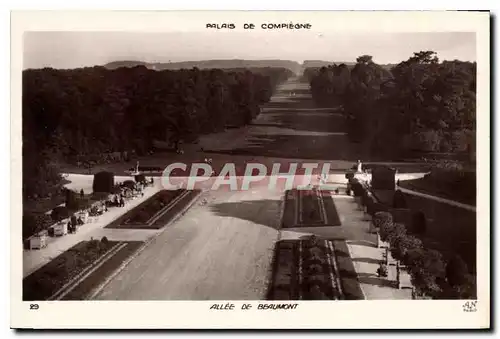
[
  {"x": 69, "y": 50},
  {"x": 300, "y": 63}
]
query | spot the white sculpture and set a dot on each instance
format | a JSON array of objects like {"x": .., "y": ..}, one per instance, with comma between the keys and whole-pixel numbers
[{"x": 360, "y": 167}]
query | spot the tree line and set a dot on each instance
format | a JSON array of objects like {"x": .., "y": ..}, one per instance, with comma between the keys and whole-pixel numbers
[
  {"x": 418, "y": 106},
  {"x": 69, "y": 114}
]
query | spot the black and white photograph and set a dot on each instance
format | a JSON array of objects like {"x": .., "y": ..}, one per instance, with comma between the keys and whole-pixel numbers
[{"x": 254, "y": 162}]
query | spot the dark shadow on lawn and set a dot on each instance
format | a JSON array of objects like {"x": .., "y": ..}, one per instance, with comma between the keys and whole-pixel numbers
[
  {"x": 312, "y": 123},
  {"x": 324, "y": 147},
  {"x": 263, "y": 212}
]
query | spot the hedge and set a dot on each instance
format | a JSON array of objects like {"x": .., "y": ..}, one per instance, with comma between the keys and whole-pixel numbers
[
  {"x": 103, "y": 182},
  {"x": 59, "y": 213},
  {"x": 34, "y": 223},
  {"x": 72, "y": 202}
]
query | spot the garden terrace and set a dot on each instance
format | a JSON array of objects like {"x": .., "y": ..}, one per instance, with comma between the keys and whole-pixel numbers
[
  {"x": 43, "y": 283},
  {"x": 155, "y": 212},
  {"x": 304, "y": 270}
]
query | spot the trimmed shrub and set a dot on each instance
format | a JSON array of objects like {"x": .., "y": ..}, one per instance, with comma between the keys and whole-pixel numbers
[
  {"x": 399, "y": 200},
  {"x": 395, "y": 236},
  {"x": 103, "y": 182},
  {"x": 59, "y": 213},
  {"x": 105, "y": 241},
  {"x": 34, "y": 223},
  {"x": 402, "y": 244},
  {"x": 427, "y": 270},
  {"x": 383, "y": 221}
]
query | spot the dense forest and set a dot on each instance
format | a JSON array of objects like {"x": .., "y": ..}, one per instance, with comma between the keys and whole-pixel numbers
[
  {"x": 420, "y": 105},
  {"x": 79, "y": 113}
]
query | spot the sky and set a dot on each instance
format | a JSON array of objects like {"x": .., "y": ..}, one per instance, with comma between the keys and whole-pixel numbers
[{"x": 80, "y": 49}]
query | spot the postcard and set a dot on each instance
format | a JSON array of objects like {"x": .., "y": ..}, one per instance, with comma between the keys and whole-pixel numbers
[{"x": 250, "y": 170}]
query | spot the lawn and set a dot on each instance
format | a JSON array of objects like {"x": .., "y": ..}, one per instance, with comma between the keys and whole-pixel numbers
[
  {"x": 97, "y": 277},
  {"x": 43, "y": 283},
  {"x": 153, "y": 217},
  {"x": 464, "y": 193}
]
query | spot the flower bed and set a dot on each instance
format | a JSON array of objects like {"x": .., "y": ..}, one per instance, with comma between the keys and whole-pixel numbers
[
  {"x": 107, "y": 268},
  {"x": 153, "y": 207},
  {"x": 43, "y": 283},
  {"x": 310, "y": 208},
  {"x": 316, "y": 209},
  {"x": 151, "y": 214},
  {"x": 303, "y": 270}
]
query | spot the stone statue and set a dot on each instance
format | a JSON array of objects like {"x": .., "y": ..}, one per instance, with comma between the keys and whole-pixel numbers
[{"x": 360, "y": 167}]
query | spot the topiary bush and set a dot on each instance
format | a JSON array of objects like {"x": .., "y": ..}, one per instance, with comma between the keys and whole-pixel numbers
[
  {"x": 395, "y": 236},
  {"x": 427, "y": 270},
  {"x": 103, "y": 182},
  {"x": 59, "y": 213},
  {"x": 105, "y": 241},
  {"x": 385, "y": 223},
  {"x": 34, "y": 223}
]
